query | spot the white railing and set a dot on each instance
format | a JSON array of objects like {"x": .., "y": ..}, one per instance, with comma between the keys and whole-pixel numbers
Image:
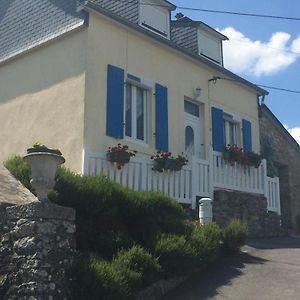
[
  {"x": 138, "y": 175},
  {"x": 237, "y": 176},
  {"x": 273, "y": 194},
  {"x": 198, "y": 179}
]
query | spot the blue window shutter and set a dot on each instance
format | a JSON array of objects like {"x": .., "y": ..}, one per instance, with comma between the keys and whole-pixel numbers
[
  {"x": 161, "y": 118},
  {"x": 217, "y": 129},
  {"x": 115, "y": 102},
  {"x": 247, "y": 135}
]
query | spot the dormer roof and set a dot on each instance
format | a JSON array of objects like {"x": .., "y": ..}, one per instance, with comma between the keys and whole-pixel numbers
[{"x": 187, "y": 22}]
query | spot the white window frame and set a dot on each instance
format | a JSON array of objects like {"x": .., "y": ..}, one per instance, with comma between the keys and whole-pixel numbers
[
  {"x": 159, "y": 8},
  {"x": 146, "y": 93},
  {"x": 229, "y": 120},
  {"x": 203, "y": 38}
]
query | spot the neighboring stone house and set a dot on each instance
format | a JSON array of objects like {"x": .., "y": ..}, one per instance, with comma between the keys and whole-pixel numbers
[
  {"x": 283, "y": 154},
  {"x": 83, "y": 76}
]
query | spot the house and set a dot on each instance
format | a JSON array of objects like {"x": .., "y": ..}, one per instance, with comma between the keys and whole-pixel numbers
[
  {"x": 283, "y": 155},
  {"x": 86, "y": 76}
]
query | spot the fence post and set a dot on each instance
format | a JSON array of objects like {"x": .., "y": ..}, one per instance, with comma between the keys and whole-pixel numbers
[
  {"x": 265, "y": 179},
  {"x": 195, "y": 179},
  {"x": 144, "y": 174},
  {"x": 85, "y": 162},
  {"x": 278, "y": 196},
  {"x": 211, "y": 173}
]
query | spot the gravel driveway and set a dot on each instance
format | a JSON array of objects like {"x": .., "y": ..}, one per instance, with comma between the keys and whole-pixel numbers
[{"x": 267, "y": 269}]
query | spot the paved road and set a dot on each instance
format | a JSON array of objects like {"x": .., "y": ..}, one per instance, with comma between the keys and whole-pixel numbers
[{"x": 268, "y": 269}]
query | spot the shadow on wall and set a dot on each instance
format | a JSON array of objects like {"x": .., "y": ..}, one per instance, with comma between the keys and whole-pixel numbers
[
  {"x": 44, "y": 67},
  {"x": 205, "y": 284}
]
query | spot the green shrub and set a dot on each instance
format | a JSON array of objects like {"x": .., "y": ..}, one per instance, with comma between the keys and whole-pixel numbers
[
  {"x": 206, "y": 241},
  {"x": 19, "y": 168},
  {"x": 110, "y": 217},
  {"x": 139, "y": 268},
  {"x": 235, "y": 235},
  {"x": 99, "y": 279},
  {"x": 176, "y": 256},
  {"x": 149, "y": 214}
]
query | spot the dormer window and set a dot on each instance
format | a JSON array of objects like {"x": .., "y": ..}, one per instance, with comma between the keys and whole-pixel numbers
[
  {"x": 198, "y": 38},
  {"x": 155, "y": 16},
  {"x": 210, "y": 46}
]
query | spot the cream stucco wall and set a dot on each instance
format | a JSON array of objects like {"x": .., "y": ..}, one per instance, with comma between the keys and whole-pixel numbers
[
  {"x": 56, "y": 94},
  {"x": 42, "y": 99},
  {"x": 110, "y": 43}
]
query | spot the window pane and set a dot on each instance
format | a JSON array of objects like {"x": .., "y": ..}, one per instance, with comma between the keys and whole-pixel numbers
[
  {"x": 189, "y": 140},
  {"x": 191, "y": 108},
  {"x": 128, "y": 110},
  {"x": 140, "y": 102}
]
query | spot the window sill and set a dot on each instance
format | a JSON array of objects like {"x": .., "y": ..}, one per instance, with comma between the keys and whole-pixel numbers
[{"x": 137, "y": 142}]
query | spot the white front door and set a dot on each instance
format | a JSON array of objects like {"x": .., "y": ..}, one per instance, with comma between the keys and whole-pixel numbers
[
  {"x": 193, "y": 129},
  {"x": 193, "y": 136}
]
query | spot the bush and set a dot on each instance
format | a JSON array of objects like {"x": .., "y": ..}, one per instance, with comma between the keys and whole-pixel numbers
[
  {"x": 206, "y": 240},
  {"x": 19, "y": 168},
  {"x": 150, "y": 214},
  {"x": 110, "y": 217},
  {"x": 99, "y": 279},
  {"x": 176, "y": 256},
  {"x": 235, "y": 235},
  {"x": 138, "y": 266}
]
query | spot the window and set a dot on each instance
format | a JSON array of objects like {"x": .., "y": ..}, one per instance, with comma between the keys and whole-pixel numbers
[
  {"x": 155, "y": 16},
  {"x": 189, "y": 140},
  {"x": 191, "y": 108},
  {"x": 136, "y": 112},
  {"x": 209, "y": 47},
  {"x": 232, "y": 129}
]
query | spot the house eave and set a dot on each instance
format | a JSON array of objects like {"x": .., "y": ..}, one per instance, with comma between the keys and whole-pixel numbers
[{"x": 42, "y": 43}]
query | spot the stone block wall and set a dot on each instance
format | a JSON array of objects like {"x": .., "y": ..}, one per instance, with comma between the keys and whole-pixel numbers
[
  {"x": 250, "y": 208},
  {"x": 37, "y": 251},
  {"x": 284, "y": 151}
]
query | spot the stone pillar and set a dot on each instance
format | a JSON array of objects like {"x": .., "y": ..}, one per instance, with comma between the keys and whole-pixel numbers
[{"x": 42, "y": 251}]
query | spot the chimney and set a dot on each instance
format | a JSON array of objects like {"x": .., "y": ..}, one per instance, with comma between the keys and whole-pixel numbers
[{"x": 179, "y": 16}]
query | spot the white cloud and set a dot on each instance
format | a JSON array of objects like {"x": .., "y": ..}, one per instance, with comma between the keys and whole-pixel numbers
[
  {"x": 295, "y": 132},
  {"x": 243, "y": 55}
]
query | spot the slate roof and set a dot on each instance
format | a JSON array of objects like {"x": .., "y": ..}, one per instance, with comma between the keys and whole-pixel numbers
[
  {"x": 187, "y": 22},
  {"x": 128, "y": 10},
  {"x": 186, "y": 37},
  {"x": 25, "y": 24}
]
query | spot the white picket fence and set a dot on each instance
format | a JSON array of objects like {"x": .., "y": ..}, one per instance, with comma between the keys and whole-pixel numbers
[
  {"x": 138, "y": 175},
  {"x": 237, "y": 177},
  {"x": 272, "y": 193},
  {"x": 198, "y": 178}
]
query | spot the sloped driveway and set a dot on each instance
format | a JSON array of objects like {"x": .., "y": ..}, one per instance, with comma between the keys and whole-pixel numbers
[{"x": 268, "y": 269}]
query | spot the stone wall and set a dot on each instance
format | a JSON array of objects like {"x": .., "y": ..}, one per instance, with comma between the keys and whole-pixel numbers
[
  {"x": 37, "y": 251},
  {"x": 250, "y": 208},
  {"x": 283, "y": 154}
]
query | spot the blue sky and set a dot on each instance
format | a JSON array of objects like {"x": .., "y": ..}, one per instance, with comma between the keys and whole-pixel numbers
[{"x": 261, "y": 50}]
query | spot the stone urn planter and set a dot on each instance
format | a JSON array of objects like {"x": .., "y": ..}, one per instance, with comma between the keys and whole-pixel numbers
[{"x": 43, "y": 163}]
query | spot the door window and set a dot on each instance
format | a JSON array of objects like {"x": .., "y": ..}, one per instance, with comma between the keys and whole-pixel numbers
[{"x": 189, "y": 140}]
